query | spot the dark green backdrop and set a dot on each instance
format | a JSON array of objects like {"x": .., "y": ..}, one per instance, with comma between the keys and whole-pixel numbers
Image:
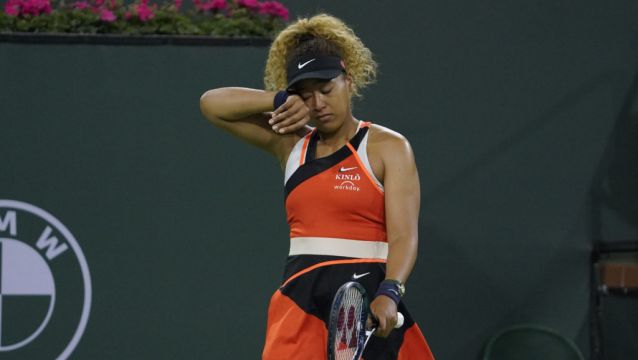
[{"x": 512, "y": 108}]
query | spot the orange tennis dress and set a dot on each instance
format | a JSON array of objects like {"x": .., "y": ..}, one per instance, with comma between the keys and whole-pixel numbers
[{"x": 336, "y": 211}]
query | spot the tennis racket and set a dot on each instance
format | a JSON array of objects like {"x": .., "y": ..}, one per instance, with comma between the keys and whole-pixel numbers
[{"x": 347, "y": 333}]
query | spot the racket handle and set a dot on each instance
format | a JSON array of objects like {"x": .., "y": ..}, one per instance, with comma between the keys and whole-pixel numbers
[{"x": 400, "y": 320}]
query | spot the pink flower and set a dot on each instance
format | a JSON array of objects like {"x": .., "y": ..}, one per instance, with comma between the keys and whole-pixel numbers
[
  {"x": 80, "y": 5},
  {"x": 275, "y": 9},
  {"x": 112, "y": 4},
  {"x": 178, "y": 4},
  {"x": 217, "y": 5},
  {"x": 210, "y": 5},
  {"x": 145, "y": 12},
  {"x": 249, "y": 4},
  {"x": 12, "y": 7},
  {"x": 99, "y": 3},
  {"x": 127, "y": 15},
  {"x": 35, "y": 7},
  {"x": 107, "y": 15}
]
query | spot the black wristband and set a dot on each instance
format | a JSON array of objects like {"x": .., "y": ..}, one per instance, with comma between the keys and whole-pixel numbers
[
  {"x": 280, "y": 99},
  {"x": 390, "y": 290}
]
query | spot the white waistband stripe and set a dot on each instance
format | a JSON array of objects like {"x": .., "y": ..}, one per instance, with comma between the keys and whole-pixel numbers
[{"x": 338, "y": 247}]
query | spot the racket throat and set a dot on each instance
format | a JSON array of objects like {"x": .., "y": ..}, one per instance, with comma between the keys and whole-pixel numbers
[{"x": 369, "y": 334}]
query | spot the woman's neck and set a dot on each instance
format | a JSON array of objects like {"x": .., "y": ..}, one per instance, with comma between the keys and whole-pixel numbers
[{"x": 342, "y": 135}]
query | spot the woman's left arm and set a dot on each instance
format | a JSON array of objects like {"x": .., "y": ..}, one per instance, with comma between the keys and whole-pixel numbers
[{"x": 402, "y": 202}]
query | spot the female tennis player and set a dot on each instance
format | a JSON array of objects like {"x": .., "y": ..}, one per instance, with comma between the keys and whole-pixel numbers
[{"x": 351, "y": 189}]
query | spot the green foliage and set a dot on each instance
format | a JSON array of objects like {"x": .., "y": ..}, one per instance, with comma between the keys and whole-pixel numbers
[{"x": 134, "y": 19}]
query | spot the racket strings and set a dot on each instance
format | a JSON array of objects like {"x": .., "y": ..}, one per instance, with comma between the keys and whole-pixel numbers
[{"x": 349, "y": 325}]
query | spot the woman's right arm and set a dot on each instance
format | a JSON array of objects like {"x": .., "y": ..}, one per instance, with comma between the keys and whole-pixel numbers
[{"x": 245, "y": 113}]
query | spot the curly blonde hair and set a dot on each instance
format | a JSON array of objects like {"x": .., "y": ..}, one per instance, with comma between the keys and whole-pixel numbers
[{"x": 322, "y": 35}]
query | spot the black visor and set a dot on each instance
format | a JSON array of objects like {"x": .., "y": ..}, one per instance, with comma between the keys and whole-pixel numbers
[{"x": 314, "y": 67}]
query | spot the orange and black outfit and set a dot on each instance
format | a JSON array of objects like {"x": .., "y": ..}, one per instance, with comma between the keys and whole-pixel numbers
[{"x": 336, "y": 212}]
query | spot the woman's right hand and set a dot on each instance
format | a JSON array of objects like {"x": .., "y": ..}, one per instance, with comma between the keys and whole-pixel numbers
[{"x": 291, "y": 116}]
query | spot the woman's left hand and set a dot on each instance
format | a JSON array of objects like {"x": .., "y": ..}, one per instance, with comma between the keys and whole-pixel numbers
[
  {"x": 384, "y": 310},
  {"x": 291, "y": 116}
]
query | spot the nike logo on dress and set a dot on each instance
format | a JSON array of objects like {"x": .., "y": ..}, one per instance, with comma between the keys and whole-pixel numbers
[
  {"x": 300, "y": 66},
  {"x": 343, "y": 169},
  {"x": 356, "y": 276}
]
